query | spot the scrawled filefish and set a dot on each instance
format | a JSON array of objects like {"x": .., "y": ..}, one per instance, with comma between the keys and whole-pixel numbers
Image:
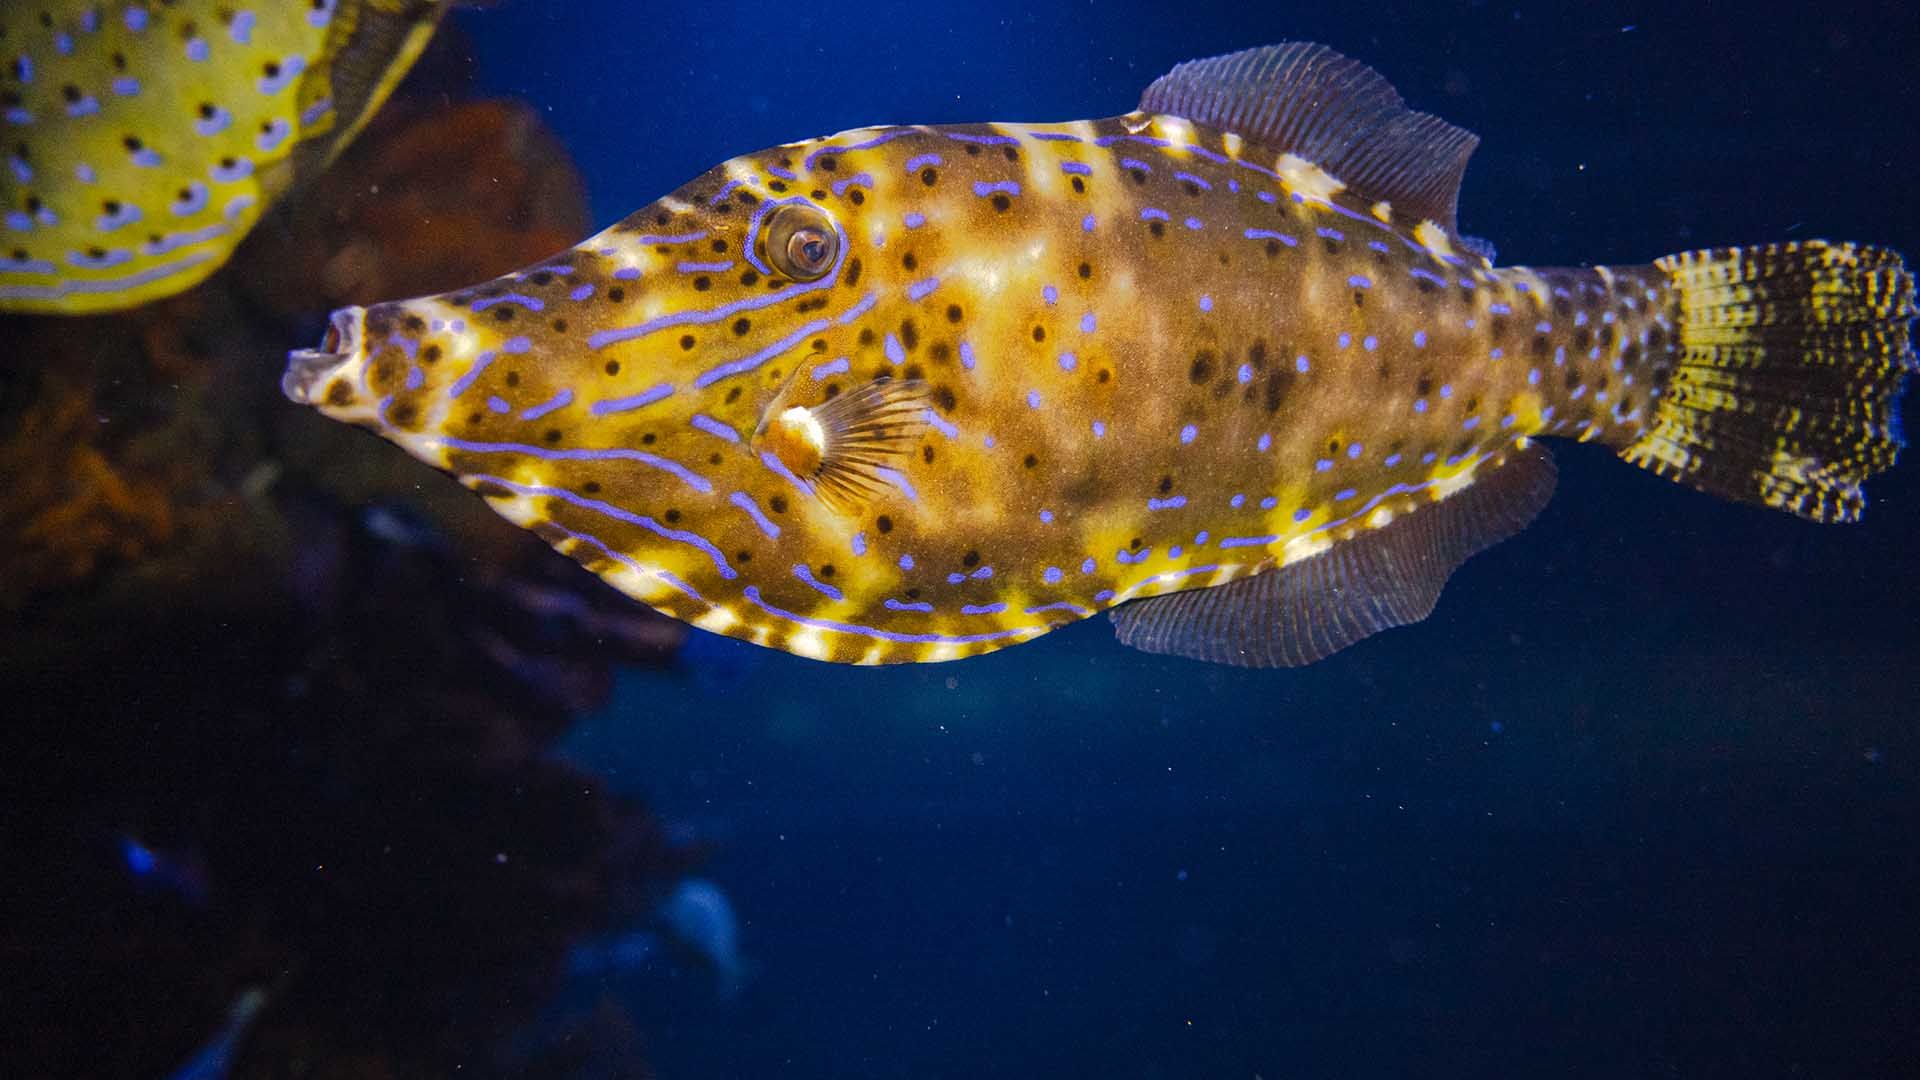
[
  {"x": 143, "y": 140},
  {"x": 1221, "y": 365}
]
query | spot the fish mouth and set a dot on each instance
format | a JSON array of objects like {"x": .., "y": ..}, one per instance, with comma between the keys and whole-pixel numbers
[{"x": 309, "y": 370}]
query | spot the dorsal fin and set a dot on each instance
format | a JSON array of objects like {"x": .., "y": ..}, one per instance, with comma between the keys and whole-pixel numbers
[
  {"x": 1305, "y": 99},
  {"x": 1378, "y": 580}
]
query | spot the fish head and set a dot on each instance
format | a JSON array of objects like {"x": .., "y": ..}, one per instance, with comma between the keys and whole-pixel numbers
[{"x": 711, "y": 403}]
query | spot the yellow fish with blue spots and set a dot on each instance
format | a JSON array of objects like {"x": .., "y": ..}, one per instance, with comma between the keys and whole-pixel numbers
[
  {"x": 143, "y": 140},
  {"x": 1221, "y": 366}
]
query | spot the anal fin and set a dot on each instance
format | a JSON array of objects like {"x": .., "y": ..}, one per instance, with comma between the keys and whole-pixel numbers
[{"x": 1387, "y": 577}]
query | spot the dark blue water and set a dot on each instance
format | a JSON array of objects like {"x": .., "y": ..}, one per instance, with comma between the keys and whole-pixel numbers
[{"x": 1639, "y": 799}]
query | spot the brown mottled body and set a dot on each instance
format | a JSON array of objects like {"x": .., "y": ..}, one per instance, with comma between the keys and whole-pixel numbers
[{"x": 1151, "y": 355}]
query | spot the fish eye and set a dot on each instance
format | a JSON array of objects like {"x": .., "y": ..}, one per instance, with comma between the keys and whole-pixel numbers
[{"x": 801, "y": 242}]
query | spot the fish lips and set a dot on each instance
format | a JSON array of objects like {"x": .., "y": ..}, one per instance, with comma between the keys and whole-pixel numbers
[{"x": 310, "y": 370}]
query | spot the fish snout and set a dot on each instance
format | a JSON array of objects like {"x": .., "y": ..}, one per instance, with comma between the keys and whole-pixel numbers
[{"x": 309, "y": 371}]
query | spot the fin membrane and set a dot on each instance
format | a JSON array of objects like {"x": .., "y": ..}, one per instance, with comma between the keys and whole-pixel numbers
[
  {"x": 842, "y": 446},
  {"x": 1786, "y": 387},
  {"x": 1388, "y": 577},
  {"x": 1308, "y": 100}
]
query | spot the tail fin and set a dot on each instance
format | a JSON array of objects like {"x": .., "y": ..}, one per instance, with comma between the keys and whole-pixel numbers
[{"x": 1785, "y": 391}]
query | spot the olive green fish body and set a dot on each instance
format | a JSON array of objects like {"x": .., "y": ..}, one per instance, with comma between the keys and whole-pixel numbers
[
  {"x": 915, "y": 393},
  {"x": 144, "y": 140}
]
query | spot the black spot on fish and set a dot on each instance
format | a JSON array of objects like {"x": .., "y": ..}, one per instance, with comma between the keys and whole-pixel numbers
[
  {"x": 613, "y": 367},
  {"x": 913, "y": 594},
  {"x": 733, "y": 395},
  {"x": 430, "y": 354},
  {"x": 488, "y": 489},
  {"x": 1079, "y": 186},
  {"x": 1539, "y": 345},
  {"x": 853, "y": 273},
  {"x": 1157, "y": 228},
  {"x": 828, "y": 164},
  {"x": 686, "y": 342},
  {"x": 550, "y": 436},
  {"x": 1166, "y": 484},
  {"x": 857, "y": 197},
  {"x": 1001, "y": 203},
  {"x": 1030, "y": 461},
  {"x": 926, "y": 453},
  {"x": 743, "y": 555},
  {"x": 778, "y": 504},
  {"x": 909, "y": 261},
  {"x": 883, "y": 523},
  {"x": 1423, "y": 386},
  {"x": 617, "y": 294},
  {"x": 702, "y": 283},
  {"x": 752, "y": 277},
  {"x": 559, "y": 326},
  {"x": 672, "y": 516},
  {"x": 939, "y": 352},
  {"x": 1582, "y": 339},
  {"x": 1039, "y": 333},
  {"x": 954, "y": 313},
  {"x": 1332, "y": 246},
  {"x": 973, "y": 150},
  {"x": 741, "y": 326},
  {"x": 970, "y": 559},
  {"x": 403, "y": 414},
  {"x": 1279, "y": 383},
  {"x": 1273, "y": 248},
  {"x": 832, "y": 391},
  {"x": 591, "y": 487},
  {"x": 1573, "y": 378},
  {"x": 943, "y": 397},
  {"x": 866, "y": 335},
  {"x": 1086, "y": 271},
  {"x": 913, "y": 371},
  {"x": 1103, "y": 375},
  {"x": 777, "y": 186},
  {"x": 909, "y": 334},
  {"x": 1359, "y": 298},
  {"x": 1137, "y": 176},
  {"x": 1200, "y": 372},
  {"x": 339, "y": 394},
  {"x": 513, "y": 378},
  {"x": 649, "y": 439},
  {"x": 1010, "y": 153},
  {"x": 929, "y": 177}
]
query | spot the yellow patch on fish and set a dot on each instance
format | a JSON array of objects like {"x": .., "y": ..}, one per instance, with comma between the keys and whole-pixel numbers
[{"x": 144, "y": 140}]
